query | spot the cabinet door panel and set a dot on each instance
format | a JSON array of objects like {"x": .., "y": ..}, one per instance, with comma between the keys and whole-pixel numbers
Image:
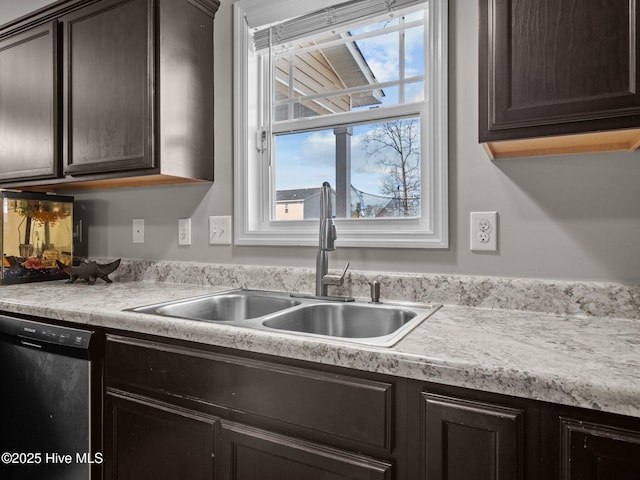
[
  {"x": 597, "y": 452},
  {"x": 549, "y": 66},
  {"x": 465, "y": 440},
  {"x": 108, "y": 84},
  {"x": 248, "y": 453},
  {"x": 146, "y": 439},
  {"x": 336, "y": 406},
  {"x": 28, "y": 104}
]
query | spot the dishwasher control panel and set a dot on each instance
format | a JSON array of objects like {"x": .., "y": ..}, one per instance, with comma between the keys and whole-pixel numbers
[
  {"x": 45, "y": 333},
  {"x": 54, "y": 334}
]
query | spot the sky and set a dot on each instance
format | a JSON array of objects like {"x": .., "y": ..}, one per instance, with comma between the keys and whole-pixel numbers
[{"x": 307, "y": 159}]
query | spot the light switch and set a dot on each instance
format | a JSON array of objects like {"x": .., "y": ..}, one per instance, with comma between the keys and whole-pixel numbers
[
  {"x": 184, "y": 231},
  {"x": 220, "y": 230}
]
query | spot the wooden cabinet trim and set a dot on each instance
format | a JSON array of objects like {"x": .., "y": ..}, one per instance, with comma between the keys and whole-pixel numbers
[
  {"x": 609, "y": 141},
  {"x": 160, "y": 405}
]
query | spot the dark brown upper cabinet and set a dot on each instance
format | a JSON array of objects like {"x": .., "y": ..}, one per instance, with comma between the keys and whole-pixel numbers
[
  {"x": 29, "y": 104},
  {"x": 108, "y": 84},
  {"x": 137, "y": 94},
  {"x": 558, "y": 76}
]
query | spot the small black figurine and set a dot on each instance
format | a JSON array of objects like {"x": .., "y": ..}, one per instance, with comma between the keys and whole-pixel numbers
[{"x": 89, "y": 271}]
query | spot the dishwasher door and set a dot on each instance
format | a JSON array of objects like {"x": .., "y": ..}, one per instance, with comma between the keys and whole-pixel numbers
[{"x": 49, "y": 403}]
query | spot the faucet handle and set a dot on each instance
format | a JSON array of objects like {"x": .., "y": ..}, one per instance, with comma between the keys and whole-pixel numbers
[{"x": 333, "y": 279}]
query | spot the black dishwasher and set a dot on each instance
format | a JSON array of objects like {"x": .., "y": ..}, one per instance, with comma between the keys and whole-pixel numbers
[{"x": 50, "y": 400}]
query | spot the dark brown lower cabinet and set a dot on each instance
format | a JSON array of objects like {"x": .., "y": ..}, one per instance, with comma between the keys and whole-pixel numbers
[
  {"x": 170, "y": 405},
  {"x": 248, "y": 453},
  {"x": 148, "y": 439},
  {"x": 179, "y": 410},
  {"x": 469, "y": 440},
  {"x": 599, "y": 452}
]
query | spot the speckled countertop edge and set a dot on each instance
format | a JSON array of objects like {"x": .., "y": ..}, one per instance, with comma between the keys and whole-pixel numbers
[{"x": 573, "y": 360}]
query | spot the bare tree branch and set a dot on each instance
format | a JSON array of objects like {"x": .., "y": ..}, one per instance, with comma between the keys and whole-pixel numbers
[{"x": 395, "y": 145}]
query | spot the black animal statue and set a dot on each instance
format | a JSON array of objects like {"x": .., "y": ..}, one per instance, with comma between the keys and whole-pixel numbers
[{"x": 89, "y": 271}]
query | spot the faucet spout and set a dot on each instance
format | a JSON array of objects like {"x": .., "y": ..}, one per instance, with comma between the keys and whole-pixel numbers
[
  {"x": 328, "y": 232},
  {"x": 326, "y": 244}
]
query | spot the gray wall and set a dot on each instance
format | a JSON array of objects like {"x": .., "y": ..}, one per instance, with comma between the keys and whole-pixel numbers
[
  {"x": 562, "y": 217},
  {"x": 11, "y": 9}
]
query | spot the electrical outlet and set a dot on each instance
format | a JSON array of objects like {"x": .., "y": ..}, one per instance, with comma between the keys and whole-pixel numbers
[
  {"x": 484, "y": 231},
  {"x": 184, "y": 231},
  {"x": 220, "y": 230},
  {"x": 138, "y": 230}
]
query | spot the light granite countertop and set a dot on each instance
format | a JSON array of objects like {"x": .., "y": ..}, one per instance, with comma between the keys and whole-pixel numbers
[{"x": 582, "y": 361}]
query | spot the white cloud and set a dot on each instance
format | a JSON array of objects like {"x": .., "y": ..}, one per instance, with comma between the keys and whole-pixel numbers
[{"x": 382, "y": 55}]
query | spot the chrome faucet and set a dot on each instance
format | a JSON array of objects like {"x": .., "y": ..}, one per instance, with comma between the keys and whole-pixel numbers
[{"x": 326, "y": 244}]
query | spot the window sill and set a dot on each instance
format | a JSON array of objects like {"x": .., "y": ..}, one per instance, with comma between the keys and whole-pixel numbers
[{"x": 305, "y": 233}]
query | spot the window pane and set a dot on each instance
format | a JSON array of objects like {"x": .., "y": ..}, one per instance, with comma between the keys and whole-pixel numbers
[
  {"x": 414, "y": 92},
  {"x": 342, "y": 71},
  {"x": 378, "y": 163},
  {"x": 382, "y": 55},
  {"x": 412, "y": 17},
  {"x": 414, "y": 52}
]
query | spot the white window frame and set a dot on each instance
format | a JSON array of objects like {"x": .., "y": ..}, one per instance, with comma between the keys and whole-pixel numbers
[{"x": 252, "y": 206}]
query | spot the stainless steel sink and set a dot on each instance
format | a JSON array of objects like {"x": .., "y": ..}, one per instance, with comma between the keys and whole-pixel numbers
[
  {"x": 379, "y": 324},
  {"x": 342, "y": 320},
  {"x": 224, "y": 307}
]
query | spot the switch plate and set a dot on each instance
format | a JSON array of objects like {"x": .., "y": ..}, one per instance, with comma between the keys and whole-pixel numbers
[
  {"x": 484, "y": 231},
  {"x": 138, "y": 230},
  {"x": 220, "y": 230},
  {"x": 184, "y": 231}
]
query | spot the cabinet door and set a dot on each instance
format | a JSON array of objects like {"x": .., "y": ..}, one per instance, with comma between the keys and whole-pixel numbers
[
  {"x": 149, "y": 439},
  {"x": 327, "y": 406},
  {"x": 28, "y": 104},
  {"x": 467, "y": 440},
  {"x": 598, "y": 452},
  {"x": 109, "y": 65},
  {"x": 247, "y": 453},
  {"x": 550, "y": 67}
]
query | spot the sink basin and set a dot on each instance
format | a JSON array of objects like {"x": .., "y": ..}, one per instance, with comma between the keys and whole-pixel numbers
[
  {"x": 223, "y": 307},
  {"x": 342, "y": 320},
  {"x": 382, "y": 324}
]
